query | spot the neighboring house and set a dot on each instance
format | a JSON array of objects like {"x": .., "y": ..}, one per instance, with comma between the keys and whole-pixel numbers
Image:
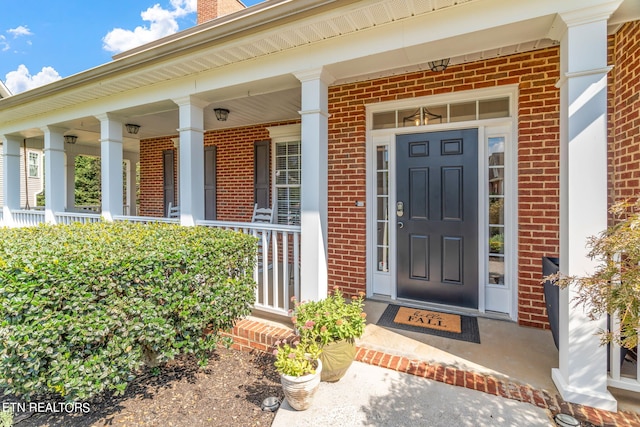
[
  {"x": 426, "y": 151},
  {"x": 31, "y": 176}
]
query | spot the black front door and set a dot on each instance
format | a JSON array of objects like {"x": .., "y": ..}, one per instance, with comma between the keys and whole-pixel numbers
[{"x": 437, "y": 214}]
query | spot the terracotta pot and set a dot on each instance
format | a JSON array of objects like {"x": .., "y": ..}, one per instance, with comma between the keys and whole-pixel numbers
[
  {"x": 299, "y": 391},
  {"x": 336, "y": 358}
]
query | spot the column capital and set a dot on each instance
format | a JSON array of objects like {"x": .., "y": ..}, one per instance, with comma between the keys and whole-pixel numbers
[
  {"x": 601, "y": 12},
  {"x": 191, "y": 100},
  {"x": 319, "y": 73},
  {"x": 104, "y": 117}
]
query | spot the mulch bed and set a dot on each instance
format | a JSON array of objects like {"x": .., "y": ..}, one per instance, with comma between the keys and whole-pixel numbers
[{"x": 228, "y": 392}]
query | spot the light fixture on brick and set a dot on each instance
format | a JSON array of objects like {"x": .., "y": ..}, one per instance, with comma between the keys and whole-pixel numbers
[
  {"x": 70, "y": 139},
  {"x": 132, "y": 129},
  {"x": 439, "y": 65},
  {"x": 221, "y": 114}
]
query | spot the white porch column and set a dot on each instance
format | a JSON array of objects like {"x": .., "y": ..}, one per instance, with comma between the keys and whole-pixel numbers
[
  {"x": 582, "y": 375},
  {"x": 11, "y": 177},
  {"x": 70, "y": 175},
  {"x": 190, "y": 159},
  {"x": 313, "y": 223},
  {"x": 54, "y": 187},
  {"x": 111, "y": 165}
]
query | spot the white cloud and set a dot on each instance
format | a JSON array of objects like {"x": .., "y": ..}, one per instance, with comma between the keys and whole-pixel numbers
[
  {"x": 20, "y": 80},
  {"x": 4, "y": 44},
  {"x": 162, "y": 23},
  {"x": 21, "y": 30}
]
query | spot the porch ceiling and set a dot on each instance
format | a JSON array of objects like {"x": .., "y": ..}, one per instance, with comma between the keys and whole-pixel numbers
[{"x": 419, "y": 31}]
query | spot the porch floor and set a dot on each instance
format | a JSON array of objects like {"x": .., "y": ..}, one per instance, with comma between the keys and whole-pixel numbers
[{"x": 508, "y": 352}]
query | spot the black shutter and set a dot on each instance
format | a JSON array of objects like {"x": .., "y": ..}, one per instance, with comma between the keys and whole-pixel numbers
[
  {"x": 261, "y": 174},
  {"x": 168, "y": 178},
  {"x": 210, "y": 212}
]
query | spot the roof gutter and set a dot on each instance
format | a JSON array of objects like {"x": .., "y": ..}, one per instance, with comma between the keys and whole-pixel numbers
[{"x": 213, "y": 32}]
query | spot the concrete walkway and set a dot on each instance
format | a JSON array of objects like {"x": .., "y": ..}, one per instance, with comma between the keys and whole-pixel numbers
[{"x": 374, "y": 396}]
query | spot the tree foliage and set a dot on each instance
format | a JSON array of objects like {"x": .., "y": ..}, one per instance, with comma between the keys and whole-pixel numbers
[{"x": 614, "y": 286}]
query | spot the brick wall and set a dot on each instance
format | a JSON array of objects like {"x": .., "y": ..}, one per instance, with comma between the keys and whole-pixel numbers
[
  {"x": 211, "y": 9},
  {"x": 624, "y": 127},
  {"x": 234, "y": 151},
  {"x": 151, "y": 182},
  {"x": 536, "y": 74}
]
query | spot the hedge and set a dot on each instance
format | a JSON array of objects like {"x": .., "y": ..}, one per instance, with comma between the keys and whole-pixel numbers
[{"x": 84, "y": 306}]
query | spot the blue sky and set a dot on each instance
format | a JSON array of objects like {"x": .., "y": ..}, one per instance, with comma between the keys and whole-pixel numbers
[{"x": 45, "y": 40}]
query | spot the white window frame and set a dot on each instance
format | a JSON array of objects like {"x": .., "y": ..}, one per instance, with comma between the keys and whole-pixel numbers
[
  {"x": 279, "y": 135},
  {"x": 38, "y": 164},
  {"x": 383, "y": 285}
]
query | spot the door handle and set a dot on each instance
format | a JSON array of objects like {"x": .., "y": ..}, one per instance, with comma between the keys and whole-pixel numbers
[
  {"x": 400, "y": 224},
  {"x": 399, "y": 209}
]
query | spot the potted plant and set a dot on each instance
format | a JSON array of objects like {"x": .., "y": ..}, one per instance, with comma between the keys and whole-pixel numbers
[
  {"x": 333, "y": 323},
  {"x": 299, "y": 367}
]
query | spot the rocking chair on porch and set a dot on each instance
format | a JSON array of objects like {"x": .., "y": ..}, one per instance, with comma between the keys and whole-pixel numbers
[
  {"x": 265, "y": 216},
  {"x": 173, "y": 211}
]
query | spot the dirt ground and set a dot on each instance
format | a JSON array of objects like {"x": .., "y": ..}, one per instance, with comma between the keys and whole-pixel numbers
[{"x": 228, "y": 392}]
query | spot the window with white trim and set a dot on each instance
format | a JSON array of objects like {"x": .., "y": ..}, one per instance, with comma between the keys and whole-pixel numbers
[
  {"x": 287, "y": 182},
  {"x": 34, "y": 164}
]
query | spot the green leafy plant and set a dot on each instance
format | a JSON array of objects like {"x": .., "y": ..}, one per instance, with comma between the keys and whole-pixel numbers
[
  {"x": 496, "y": 243},
  {"x": 6, "y": 418},
  {"x": 614, "y": 287},
  {"x": 297, "y": 357},
  {"x": 331, "y": 319},
  {"x": 83, "y": 307}
]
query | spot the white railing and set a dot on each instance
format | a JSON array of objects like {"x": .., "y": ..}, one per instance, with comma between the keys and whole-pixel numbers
[
  {"x": 70, "y": 217},
  {"x": 87, "y": 208},
  {"x": 623, "y": 374},
  {"x": 27, "y": 218},
  {"x": 146, "y": 219},
  {"x": 277, "y": 269}
]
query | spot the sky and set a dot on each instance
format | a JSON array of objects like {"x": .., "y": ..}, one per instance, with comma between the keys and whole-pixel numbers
[{"x": 45, "y": 40}]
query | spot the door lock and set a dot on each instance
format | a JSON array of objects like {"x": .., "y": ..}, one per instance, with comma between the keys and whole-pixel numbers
[
  {"x": 399, "y": 209},
  {"x": 400, "y": 224}
]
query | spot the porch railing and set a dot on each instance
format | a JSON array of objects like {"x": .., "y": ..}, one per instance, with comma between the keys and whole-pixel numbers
[
  {"x": 70, "y": 217},
  {"x": 145, "y": 219},
  {"x": 27, "y": 218},
  {"x": 623, "y": 374},
  {"x": 277, "y": 269}
]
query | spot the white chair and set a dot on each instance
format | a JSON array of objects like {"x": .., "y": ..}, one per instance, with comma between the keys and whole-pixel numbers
[
  {"x": 264, "y": 216},
  {"x": 173, "y": 211}
]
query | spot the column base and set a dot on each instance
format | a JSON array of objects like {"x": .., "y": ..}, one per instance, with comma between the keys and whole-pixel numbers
[{"x": 582, "y": 396}]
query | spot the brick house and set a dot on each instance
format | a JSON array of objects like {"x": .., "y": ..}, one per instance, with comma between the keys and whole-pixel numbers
[{"x": 443, "y": 147}]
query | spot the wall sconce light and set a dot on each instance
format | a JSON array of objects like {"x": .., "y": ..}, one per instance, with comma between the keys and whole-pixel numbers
[
  {"x": 70, "y": 139},
  {"x": 221, "y": 114},
  {"x": 439, "y": 65},
  {"x": 132, "y": 129}
]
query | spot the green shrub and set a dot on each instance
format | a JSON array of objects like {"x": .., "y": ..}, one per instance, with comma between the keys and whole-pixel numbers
[{"x": 83, "y": 306}]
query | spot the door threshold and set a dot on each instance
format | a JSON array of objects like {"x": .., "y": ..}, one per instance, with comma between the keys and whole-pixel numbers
[{"x": 442, "y": 307}]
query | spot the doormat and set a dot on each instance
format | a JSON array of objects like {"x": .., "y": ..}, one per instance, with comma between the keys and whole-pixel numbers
[{"x": 447, "y": 325}]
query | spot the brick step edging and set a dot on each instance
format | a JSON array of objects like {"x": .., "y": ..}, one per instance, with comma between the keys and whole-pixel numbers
[{"x": 249, "y": 335}]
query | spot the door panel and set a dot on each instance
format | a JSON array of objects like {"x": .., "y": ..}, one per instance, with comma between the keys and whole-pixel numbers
[
  {"x": 436, "y": 210},
  {"x": 168, "y": 180}
]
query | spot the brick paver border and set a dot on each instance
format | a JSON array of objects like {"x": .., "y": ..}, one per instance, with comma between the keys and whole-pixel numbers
[{"x": 251, "y": 334}]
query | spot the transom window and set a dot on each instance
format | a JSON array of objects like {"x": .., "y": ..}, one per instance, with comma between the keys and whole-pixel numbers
[{"x": 479, "y": 109}]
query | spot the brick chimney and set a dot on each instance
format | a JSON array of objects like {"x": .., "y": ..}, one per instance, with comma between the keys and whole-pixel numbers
[{"x": 212, "y": 9}]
